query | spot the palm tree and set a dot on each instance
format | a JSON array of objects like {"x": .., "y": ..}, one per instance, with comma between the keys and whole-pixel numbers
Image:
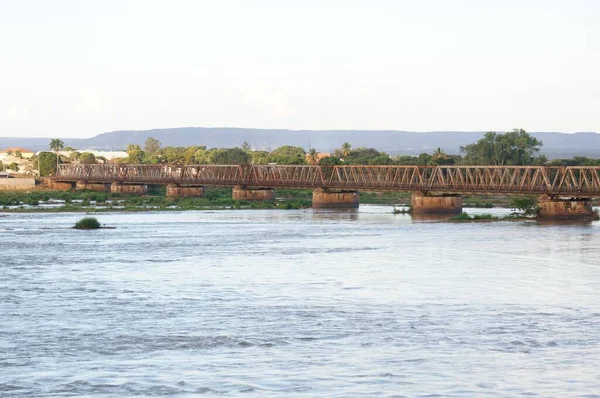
[
  {"x": 346, "y": 148},
  {"x": 56, "y": 145},
  {"x": 313, "y": 156}
]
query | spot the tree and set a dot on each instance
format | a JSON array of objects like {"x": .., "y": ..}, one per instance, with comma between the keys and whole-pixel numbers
[
  {"x": 13, "y": 166},
  {"x": 173, "y": 154},
  {"x": 69, "y": 149},
  {"x": 516, "y": 147},
  {"x": 246, "y": 146},
  {"x": 230, "y": 156},
  {"x": 260, "y": 157},
  {"x": 87, "y": 158},
  {"x": 74, "y": 156},
  {"x": 152, "y": 145},
  {"x": 56, "y": 145},
  {"x": 330, "y": 161},
  {"x": 288, "y": 154},
  {"x": 201, "y": 156},
  {"x": 367, "y": 156},
  {"x": 135, "y": 154},
  {"x": 346, "y": 149},
  {"x": 46, "y": 163},
  {"x": 439, "y": 157},
  {"x": 313, "y": 156},
  {"x": 18, "y": 154}
]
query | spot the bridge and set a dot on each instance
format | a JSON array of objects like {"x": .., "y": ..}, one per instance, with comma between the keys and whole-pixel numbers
[{"x": 577, "y": 183}]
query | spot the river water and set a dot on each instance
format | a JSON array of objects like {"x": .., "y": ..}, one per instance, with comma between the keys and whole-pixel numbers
[{"x": 297, "y": 303}]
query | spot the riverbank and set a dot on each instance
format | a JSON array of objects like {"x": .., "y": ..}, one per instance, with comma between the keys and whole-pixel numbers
[{"x": 213, "y": 199}]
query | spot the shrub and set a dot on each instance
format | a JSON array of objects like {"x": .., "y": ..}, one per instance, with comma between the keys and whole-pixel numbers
[
  {"x": 461, "y": 217},
  {"x": 87, "y": 223}
]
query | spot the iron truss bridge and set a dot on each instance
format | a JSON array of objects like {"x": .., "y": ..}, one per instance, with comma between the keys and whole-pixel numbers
[{"x": 553, "y": 181}]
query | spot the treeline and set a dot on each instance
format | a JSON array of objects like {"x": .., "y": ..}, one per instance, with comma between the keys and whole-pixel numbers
[{"x": 516, "y": 147}]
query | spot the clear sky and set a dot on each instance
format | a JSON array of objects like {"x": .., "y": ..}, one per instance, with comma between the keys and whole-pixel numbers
[{"x": 74, "y": 68}]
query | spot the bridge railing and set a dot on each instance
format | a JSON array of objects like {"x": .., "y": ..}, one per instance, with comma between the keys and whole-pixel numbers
[{"x": 459, "y": 179}]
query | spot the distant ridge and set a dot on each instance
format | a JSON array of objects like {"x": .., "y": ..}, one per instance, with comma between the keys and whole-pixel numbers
[{"x": 394, "y": 142}]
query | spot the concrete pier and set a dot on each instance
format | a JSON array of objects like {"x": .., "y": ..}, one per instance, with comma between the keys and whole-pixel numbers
[
  {"x": 116, "y": 187},
  {"x": 435, "y": 204},
  {"x": 331, "y": 199},
  {"x": 51, "y": 183},
  {"x": 176, "y": 191},
  {"x": 82, "y": 185},
  {"x": 254, "y": 194},
  {"x": 565, "y": 208}
]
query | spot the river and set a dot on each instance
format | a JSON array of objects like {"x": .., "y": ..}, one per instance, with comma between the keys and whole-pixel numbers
[{"x": 303, "y": 303}]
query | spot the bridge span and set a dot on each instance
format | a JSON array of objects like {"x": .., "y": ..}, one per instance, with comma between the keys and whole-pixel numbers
[
  {"x": 583, "y": 182},
  {"x": 565, "y": 192}
]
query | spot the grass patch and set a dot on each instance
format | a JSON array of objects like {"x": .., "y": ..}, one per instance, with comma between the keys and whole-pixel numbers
[{"x": 477, "y": 217}]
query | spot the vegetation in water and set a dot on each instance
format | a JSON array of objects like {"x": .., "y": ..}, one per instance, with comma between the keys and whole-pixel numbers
[
  {"x": 88, "y": 223},
  {"x": 476, "y": 217}
]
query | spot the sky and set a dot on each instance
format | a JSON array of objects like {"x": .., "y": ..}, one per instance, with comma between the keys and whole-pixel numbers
[{"x": 71, "y": 68}]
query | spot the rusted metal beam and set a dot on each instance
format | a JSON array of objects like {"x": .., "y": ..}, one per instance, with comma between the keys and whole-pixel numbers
[{"x": 549, "y": 180}]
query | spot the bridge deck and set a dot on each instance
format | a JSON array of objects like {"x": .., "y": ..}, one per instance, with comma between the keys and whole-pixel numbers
[{"x": 553, "y": 181}]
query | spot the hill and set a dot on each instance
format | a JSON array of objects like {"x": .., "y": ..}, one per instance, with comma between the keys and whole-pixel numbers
[{"x": 394, "y": 142}]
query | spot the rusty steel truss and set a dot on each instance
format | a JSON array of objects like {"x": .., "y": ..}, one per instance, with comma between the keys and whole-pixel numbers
[{"x": 550, "y": 180}]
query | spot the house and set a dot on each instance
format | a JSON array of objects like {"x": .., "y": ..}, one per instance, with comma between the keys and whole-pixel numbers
[
  {"x": 13, "y": 153},
  {"x": 320, "y": 156}
]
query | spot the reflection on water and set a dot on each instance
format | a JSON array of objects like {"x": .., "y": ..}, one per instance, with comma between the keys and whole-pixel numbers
[{"x": 300, "y": 303}]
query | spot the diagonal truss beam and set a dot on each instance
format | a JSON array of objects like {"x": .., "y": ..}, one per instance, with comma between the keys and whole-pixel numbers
[{"x": 550, "y": 180}]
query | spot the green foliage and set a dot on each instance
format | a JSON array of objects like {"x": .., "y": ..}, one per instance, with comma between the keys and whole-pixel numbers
[
  {"x": 439, "y": 157},
  {"x": 87, "y": 223},
  {"x": 526, "y": 205},
  {"x": 513, "y": 148},
  {"x": 313, "y": 156},
  {"x": 13, "y": 166},
  {"x": 346, "y": 149},
  {"x": 576, "y": 161},
  {"x": 135, "y": 155},
  {"x": 367, "y": 156},
  {"x": 230, "y": 156},
  {"x": 56, "y": 145},
  {"x": 152, "y": 145},
  {"x": 87, "y": 158},
  {"x": 172, "y": 154},
  {"x": 18, "y": 154},
  {"x": 47, "y": 163},
  {"x": 246, "y": 146},
  {"x": 330, "y": 161},
  {"x": 288, "y": 154},
  {"x": 260, "y": 157},
  {"x": 466, "y": 217}
]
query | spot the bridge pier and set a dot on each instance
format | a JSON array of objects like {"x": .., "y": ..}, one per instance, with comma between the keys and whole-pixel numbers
[
  {"x": 51, "y": 183},
  {"x": 82, "y": 185},
  {"x": 424, "y": 203},
  {"x": 332, "y": 199},
  {"x": 176, "y": 191},
  {"x": 116, "y": 187},
  {"x": 254, "y": 194},
  {"x": 555, "y": 208}
]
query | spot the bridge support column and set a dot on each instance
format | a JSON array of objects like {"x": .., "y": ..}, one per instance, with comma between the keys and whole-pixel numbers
[
  {"x": 116, "y": 187},
  {"x": 566, "y": 209},
  {"x": 176, "y": 191},
  {"x": 82, "y": 185},
  {"x": 423, "y": 203},
  {"x": 51, "y": 183},
  {"x": 322, "y": 198},
  {"x": 256, "y": 194}
]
